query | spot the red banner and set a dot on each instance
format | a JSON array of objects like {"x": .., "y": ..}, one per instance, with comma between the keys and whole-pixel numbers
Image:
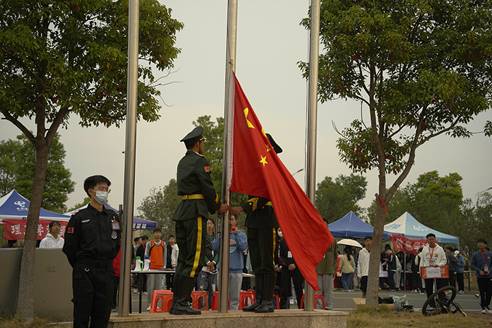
[
  {"x": 405, "y": 245},
  {"x": 16, "y": 229}
]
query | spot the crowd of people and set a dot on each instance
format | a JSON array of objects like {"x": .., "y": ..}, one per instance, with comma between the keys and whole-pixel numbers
[{"x": 93, "y": 248}]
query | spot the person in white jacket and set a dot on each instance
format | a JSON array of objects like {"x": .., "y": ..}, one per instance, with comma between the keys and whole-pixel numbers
[
  {"x": 53, "y": 238},
  {"x": 363, "y": 265},
  {"x": 433, "y": 255}
]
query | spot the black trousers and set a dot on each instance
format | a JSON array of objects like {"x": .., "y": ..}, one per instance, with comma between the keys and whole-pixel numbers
[
  {"x": 262, "y": 245},
  {"x": 363, "y": 285},
  {"x": 485, "y": 288},
  {"x": 92, "y": 295},
  {"x": 115, "y": 291},
  {"x": 460, "y": 280},
  {"x": 285, "y": 286},
  {"x": 429, "y": 285},
  {"x": 191, "y": 238},
  {"x": 452, "y": 278}
]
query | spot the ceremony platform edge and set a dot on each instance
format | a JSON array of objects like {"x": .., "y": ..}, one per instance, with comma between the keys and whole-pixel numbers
[{"x": 213, "y": 319}]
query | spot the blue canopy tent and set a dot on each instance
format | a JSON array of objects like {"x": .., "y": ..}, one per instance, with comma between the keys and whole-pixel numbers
[
  {"x": 138, "y": 222},
  {"x": 350, "y": 225},
  {"x": 15, "y": 206},
  {"x": 409, "y": 227}
]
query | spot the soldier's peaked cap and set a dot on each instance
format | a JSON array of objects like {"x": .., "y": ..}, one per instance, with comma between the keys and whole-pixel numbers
[
  {"x": 196, "y": 133},
  {"x": 275, "y": 146}
]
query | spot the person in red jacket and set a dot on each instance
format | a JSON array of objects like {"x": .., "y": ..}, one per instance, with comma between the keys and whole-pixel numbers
[{"x": 116, "y": 276}]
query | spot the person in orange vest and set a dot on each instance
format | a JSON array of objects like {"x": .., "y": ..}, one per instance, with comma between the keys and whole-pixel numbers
[{"x": 155, "y": 251}]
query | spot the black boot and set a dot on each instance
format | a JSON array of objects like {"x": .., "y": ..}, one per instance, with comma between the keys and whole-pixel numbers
[
  {"x": 182, "y": 290},
  {"x": 258, "y": 289},
  {"x": 267, "y": 285},
  {"x": 265, "y": 307},
  {"x": 252, "y": 307}
]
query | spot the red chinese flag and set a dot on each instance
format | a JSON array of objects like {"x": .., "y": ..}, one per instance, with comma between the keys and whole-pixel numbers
[{"x": 258, "y": 171}]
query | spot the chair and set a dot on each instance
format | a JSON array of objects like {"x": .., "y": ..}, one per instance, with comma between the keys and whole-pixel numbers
[
  {"x": 246, "y": 298},
  {"x": 166, "y": 299},
  {"x": 215, "y": 301},
  {"x": 199, "y": 300}
]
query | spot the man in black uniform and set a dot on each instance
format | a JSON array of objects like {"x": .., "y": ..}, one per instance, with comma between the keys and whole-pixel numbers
[
  {"x": 92, "y": 240},
  {"x": 199, "y": 198},
  {"x": 261, "y": 226}
]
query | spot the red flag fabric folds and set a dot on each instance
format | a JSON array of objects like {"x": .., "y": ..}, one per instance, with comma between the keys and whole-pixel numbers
[{"x": 258, "y": 171}]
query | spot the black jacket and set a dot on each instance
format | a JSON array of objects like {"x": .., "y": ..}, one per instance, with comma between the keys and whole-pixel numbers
[
  {"x": 92, "y": 236},
  {"x": 193, "y": 177}
]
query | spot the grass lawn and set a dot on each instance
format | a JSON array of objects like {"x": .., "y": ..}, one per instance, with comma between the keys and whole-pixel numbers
[
  {"x": 14, "y": 323},
  {"x": 366, "y": 318}
]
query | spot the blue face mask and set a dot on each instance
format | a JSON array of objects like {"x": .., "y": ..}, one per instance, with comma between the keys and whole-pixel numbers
[{"x": 101, "y": 197}]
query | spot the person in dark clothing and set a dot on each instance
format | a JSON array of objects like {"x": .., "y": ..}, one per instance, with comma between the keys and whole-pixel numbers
[
  {"x": 140, "y": 253},
  {"x": 452, "y": 264},
  {"x": 481, "y": 263},
  {"x": 199, "y": 199},
  {"x": 460, "y": 270},
  {"x": 92, "y": 241},
  {"x": 261, "y": 225},
  {"x": 169, "y": 263},
  {"x": 207, "y": 279},
  {"x": 288, "y": 270}
]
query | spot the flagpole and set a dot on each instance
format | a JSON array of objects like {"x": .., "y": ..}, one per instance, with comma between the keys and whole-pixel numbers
[
  {"x": 312, "y": 112},
  {"x": 228, "y": 125},
  {"x": 130, "y": 146}
]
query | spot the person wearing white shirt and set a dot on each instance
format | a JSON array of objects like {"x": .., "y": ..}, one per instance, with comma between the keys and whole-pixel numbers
[
  {"x": 363, "y": 265},
  {"x": 53, "y": 238},
  {"x": 433, "y": 255}
]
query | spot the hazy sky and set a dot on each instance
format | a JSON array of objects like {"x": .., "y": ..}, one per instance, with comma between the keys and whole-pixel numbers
[{"x": 270, "y": 43}]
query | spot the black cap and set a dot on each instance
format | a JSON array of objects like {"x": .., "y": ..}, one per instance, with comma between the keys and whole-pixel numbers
[
  {"x": 275, "y": 146},
  {"x": 196, "y": 133}
]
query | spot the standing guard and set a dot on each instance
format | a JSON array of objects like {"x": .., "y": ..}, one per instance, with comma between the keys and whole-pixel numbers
[
  {"x": 199, "y": 198},
  {"x": 261, "y": 226},
  {"x": 92, "y": 240}
]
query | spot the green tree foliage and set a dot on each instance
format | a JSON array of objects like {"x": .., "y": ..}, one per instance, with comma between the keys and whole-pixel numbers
[
  {"x": 213, "y": 131},
  {"x": 160, "y": 206},
  {"x": 437, "y": 201},
  {"x": 420, "y": 69},
  {"x": 334, "y": 198},
  {"x": 17, "y": 172},
  {"x": 483, "y": 216},
  {"x": 86, "y": 201},
  {"x": 69, "y": 58}
]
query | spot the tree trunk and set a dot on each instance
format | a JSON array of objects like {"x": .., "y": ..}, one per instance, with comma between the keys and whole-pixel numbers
[
  {"x": 375, "y": 256},
  {"x": 25, "y": 296}
]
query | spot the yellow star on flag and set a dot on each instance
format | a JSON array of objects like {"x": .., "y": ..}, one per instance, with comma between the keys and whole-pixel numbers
[{"x": 263, "y": 160}]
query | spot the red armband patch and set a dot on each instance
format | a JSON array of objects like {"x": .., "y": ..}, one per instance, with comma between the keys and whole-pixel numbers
[{"x": 70, "y": 230}]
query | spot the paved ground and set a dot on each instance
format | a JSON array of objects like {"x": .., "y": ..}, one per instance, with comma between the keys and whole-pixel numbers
[{"x": 344, "y": 300}]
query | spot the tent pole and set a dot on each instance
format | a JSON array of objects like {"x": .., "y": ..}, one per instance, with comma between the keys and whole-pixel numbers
[{"x": 404, "y": 271}]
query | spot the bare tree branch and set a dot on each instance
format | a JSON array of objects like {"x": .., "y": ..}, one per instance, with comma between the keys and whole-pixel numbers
[
  {"x": 362, "y": 76},
  {"x": 18, "y": 124},
  {"x": 401, "y": 127},
  {"x": 59, "y": 117},
  {"x": 362, "y": 117},
  {"x": 435, "y": 134},
  {"x": 411, "y": 156}
]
